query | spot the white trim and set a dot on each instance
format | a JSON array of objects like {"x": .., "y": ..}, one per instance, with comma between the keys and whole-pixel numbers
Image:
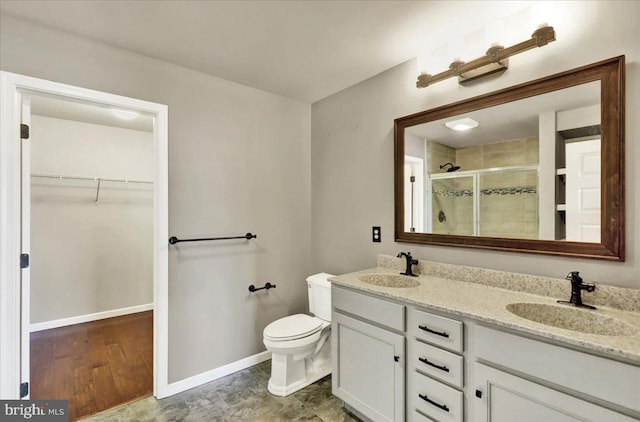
[
  {"x": 10, "y": 345},
  {"x": 161, "y": 252},
  {"x": 63, "y": 322},
  {"x": 25, "y": 248},
  {"x": 214, "y": 374},
  {"x": 11, "y": 86}
]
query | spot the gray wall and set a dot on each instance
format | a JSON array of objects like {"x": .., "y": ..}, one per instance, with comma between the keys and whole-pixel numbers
[
  {"x": 89, "y": 256},
  {"x": 239, "y": 161},
  {"x": 352, "y": 151}
]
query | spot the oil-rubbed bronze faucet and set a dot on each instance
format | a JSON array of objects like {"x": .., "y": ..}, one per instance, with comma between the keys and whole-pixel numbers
[
  {"x": 410, "y": 263},
  {"x": 577, "y": 286}
]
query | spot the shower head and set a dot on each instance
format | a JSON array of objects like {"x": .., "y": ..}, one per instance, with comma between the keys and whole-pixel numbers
[{"x": 451, "y": 167}]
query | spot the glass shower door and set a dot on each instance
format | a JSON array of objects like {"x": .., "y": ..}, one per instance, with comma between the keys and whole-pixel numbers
[{"x": 453, "y": 205}]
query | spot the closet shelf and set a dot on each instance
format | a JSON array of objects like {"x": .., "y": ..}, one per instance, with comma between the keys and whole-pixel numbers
[{"x": 91, "y": 179}]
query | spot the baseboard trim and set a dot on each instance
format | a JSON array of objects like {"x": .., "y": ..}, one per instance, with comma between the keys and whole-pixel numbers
[
  {"x": 214, "y": 374},
  {"x": 46, "y": 325}
]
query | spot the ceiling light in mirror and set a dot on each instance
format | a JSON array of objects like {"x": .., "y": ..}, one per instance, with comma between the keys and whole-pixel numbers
[{"x": 461, "y": 125}]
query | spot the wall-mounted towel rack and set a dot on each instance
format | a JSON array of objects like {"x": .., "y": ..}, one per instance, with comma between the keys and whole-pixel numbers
[
  {"x": 173, "y": 240},
  {"x": 90, "y": 179}
]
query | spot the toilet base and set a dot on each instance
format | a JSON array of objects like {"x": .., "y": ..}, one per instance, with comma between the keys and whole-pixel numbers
[
  {"x": 277, "y": 390},
  {"x": 289, "y": 376}
]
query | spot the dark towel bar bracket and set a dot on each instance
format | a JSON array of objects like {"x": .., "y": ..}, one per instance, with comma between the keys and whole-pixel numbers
[
  {"x": 173, "y": 240},
  {"x": 267, "y": 286}
]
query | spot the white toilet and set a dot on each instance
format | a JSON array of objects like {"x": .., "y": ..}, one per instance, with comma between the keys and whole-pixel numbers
[{"x": 299, "y": 344}]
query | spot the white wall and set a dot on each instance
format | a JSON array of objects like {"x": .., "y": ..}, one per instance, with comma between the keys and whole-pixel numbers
[
  {"x": 239, "y": 161},
  {"x": 352, "y": 150},
  {"x": 88, "y": 256}
]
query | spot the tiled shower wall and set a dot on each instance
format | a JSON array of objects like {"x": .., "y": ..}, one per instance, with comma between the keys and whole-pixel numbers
[{"x": 509, "y": 200}]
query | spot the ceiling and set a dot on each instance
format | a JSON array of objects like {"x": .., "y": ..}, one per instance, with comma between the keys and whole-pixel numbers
[{"x": 304, "y": 50}]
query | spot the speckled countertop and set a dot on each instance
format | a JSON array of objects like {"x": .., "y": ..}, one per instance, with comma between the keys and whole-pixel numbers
[{"x": 483, "y": 295}]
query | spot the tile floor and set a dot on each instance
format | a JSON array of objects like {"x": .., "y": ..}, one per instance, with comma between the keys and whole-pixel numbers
[{"x": 241, "y": 396}]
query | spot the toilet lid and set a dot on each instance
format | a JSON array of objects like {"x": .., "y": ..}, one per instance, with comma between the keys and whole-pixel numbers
[{"x": 294, "y": 326}]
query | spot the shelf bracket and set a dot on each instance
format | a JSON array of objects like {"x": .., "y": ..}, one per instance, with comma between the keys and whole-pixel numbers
[{"x": 98, "y": 190}]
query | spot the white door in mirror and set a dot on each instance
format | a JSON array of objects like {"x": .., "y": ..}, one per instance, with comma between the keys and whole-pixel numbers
[{"x": 583, "y": 191}]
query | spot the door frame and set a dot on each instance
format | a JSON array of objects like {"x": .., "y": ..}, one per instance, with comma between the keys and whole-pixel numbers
[{"x": 11, "y": 88}]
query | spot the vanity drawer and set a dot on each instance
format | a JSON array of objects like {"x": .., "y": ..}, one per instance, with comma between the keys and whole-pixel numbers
[
  {"x": 435, "y": 399},
  {"x": 380, "y": 311},
  {"x": 416, "y": 416},
  {"x": 438, "y": 363},
  {"x": 434, "y": 329}
]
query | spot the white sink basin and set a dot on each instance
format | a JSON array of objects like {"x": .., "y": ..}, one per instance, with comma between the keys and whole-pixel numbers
[
  {"x": 389, "y": 280},
  {"x": 574, "y": 319}
]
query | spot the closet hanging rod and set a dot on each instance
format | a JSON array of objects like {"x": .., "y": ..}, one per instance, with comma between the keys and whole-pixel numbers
[
  {"x": 92, "y": 179},
  {"x": 173, "y": 240}
]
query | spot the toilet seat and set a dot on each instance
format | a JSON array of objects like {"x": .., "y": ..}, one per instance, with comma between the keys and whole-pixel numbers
[{"x": 292, "y": 327}]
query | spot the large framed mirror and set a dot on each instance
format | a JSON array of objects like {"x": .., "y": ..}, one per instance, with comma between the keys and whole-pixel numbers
[{"x": 537, "y": 167}]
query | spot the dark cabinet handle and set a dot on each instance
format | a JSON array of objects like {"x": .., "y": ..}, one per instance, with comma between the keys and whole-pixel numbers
[
  {"x": 396, "y": 358},
  {"x": 429, "y": 330},
  {"x": 431, "y": 402},
  {"x": 428, "y": 362}
]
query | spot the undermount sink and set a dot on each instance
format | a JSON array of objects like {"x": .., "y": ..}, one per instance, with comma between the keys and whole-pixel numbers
[
  {"x": 389, "y": 280},
  {"x": 574, "y": 319}
]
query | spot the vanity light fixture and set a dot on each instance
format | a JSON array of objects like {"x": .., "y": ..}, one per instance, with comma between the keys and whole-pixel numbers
[
  {"x": 495, "y": 60},
  {"x": 462, "y": 124}
]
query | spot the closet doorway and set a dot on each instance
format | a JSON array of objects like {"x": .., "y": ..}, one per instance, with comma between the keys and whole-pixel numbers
[
  {"x": 88, "y": 320},
  {"x": 91, "y": 237}
]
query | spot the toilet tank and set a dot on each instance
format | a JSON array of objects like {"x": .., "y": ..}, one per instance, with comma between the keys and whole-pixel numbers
[{"x": 319, "y": 290}]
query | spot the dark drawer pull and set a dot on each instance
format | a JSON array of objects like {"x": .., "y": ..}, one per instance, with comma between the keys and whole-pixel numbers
[
  {"x": 428, "y": 362},
  {"x": 429, "y": 330},
  {"x": 438, "y": 405}
]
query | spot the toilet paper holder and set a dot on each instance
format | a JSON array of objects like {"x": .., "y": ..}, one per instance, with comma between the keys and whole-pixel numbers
[{"x": 267, "y": 286}]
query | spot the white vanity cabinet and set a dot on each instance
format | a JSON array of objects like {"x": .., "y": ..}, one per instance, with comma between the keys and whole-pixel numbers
[
  {"x": 368, "y": 347},
  {"x": 538, "y": 381},
  {"x": 459, "y": 369},
  {"x": 509, "y": 398}
]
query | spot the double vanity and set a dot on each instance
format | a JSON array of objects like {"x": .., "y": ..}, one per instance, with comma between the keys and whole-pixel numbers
[{"x": 468, "y": 344}]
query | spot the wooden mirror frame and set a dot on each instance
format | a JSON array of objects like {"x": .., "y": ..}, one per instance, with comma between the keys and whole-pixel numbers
[{"x": 611, "y": 74}]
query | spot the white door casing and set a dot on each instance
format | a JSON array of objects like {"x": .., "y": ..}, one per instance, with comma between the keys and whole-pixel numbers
[
  {"x": 583, "y": 220},
  {"x": 25, "y": 231},
  {"x": 12, "y": 230}
]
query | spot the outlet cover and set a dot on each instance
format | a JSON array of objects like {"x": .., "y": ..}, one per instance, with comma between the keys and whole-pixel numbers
[{"x": 376, "y": 235}]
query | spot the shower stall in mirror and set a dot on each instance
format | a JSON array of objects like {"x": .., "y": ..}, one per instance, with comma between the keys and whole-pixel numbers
[{"x": 491, "y": 202}]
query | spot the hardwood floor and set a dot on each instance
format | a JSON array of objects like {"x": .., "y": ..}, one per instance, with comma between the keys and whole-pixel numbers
[{"x": 95, "y": 365}]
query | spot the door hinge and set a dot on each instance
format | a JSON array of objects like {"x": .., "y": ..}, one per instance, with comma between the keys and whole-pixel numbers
[
  {"x": 24, "y": 260},
  {"x": 24, "y": 131},
  {"x": 24, "y": 389}
]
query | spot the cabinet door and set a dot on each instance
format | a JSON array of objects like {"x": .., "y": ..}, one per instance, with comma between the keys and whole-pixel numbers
[
  {"x": 368, "y": 368},
  {"x": 507, "y": 398}
]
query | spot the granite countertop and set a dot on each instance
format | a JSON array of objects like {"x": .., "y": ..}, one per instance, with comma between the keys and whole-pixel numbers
[{"x": 487, "y": 303}]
